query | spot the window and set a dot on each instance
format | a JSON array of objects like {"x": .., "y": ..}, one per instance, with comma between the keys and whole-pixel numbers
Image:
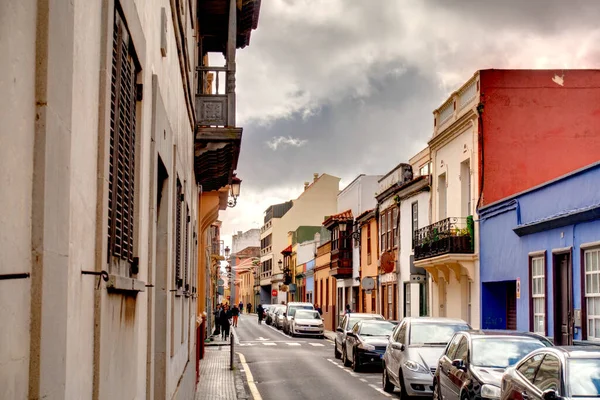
[
  {"x": 538, "y": 294},
  {"x": 122, "y": 160},
  {"x": 335, "y": 235},
  {"x": 592, "y": 292},
  {"x": 388, "y": 228},
  {"x": 369, "y": 243},
  {"x": 383, "y": 231},
  {"x": 186, "y": 276},
  {"x": 400, "y": 336},
  {"x": 415, "y": 221},
  {"x": 548, "y": 375},
  {"x": 178, "y": 201},
  {"x": 530, "y": 366},
  {"x": 462, "y": 350},
  {"x": 451, "y": 350},
  {"x": 424, "y": 169},
  {"x": 394, "y": 229}
]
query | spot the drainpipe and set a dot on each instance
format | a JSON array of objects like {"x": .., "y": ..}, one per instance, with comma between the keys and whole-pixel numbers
[{"x": 378, "y": 297}]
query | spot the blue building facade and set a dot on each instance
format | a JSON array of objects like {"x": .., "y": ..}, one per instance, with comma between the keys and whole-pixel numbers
[{"x": 540, "y": 259}]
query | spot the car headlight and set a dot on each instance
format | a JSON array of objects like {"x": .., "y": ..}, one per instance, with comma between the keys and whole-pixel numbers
[
  {"x": 490, "y": 392},
  {"x": 415, "y": 366},
  {"x": 368, "y": 347}
]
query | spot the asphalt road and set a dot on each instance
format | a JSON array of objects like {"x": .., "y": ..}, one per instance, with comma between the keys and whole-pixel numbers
[{"x": 301, "y": 368}]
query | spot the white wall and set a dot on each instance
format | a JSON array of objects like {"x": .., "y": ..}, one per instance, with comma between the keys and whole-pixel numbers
[
  {"x": 306, "y": 252},
  {"x": 242, "y": 240},
  {"x": 17, "y": 113}
]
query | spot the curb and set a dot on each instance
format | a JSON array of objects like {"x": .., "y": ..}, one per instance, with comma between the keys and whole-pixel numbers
[{"x": 241, "y": 385}]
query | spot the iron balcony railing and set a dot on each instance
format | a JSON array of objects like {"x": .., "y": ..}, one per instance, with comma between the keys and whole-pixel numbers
[{"x": 452, "y": 235}]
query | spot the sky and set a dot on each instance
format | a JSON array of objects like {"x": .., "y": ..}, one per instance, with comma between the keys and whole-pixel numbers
[{"x": 346, "y": 87}]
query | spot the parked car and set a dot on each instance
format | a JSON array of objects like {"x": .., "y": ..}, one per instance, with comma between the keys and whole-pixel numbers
[
  {"x": 554, "y": 373},
  {"x": 345, "y": 326},
  {"x": 474, "y": 361},
  {"x": 413, "y": 351},
  {"x": 366, "y": 342},
  {"x": 270, "y": 318},
  {"x": 291, "y": 309},
  {"x": 308, "y": 323},
  {"x": 279, "y": 318}
]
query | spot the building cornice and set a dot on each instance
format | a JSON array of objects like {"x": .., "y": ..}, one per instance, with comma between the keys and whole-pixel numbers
[{"x": 457, "y": 128}]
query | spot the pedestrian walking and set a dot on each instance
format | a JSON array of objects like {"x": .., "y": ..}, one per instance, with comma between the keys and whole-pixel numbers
[
  {"x": 225, "y": 321},
  {"x": 318, "y": 308},
  {"x": 241, "y": 306},
  {"x": 348, "y": 311},
  {"x": 235, "y": 312},
  {"x": 217, "y": 315},
  {"x": 249, "y": 308},
  {"x": 261, "y": 313}
]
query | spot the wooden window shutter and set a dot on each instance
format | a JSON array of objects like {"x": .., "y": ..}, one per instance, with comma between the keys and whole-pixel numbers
[
  {"x": 121, "y": 226},
  {"x": 187, "y": 247},
  {"x": 178, "y": 200}
]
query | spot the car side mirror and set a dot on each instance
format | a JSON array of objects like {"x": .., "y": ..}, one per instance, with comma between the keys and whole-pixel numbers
[
  {"x": 340, "y": 330},
  {"x": 351, "y": 334},
  {"x": 284, "y": 314},
  {"x": 398, "y": 346},
  {"x": 550, "y": 394},
  {"x": 460, "y": 364}
]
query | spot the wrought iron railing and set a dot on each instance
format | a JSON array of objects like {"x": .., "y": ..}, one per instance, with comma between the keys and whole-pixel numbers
[{"x": 451, "y": 235}]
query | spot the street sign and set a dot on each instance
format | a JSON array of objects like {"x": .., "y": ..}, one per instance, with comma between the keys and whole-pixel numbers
[
  {"x": 274, "y": 292},
  {"x": 220, "y": 282},
  {"x": 368, "y": 283}
]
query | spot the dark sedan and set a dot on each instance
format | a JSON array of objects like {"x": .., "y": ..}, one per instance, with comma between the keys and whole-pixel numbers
[
  {"x": 474, "y": 361},
  {"x": 366, "y": 342},
  {"x": 554, "y": 373}
]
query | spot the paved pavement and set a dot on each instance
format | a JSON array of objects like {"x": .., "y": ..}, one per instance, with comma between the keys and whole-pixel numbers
[
  {"x": 286, "y": 368},
  {"x": 217, "y": 380}
]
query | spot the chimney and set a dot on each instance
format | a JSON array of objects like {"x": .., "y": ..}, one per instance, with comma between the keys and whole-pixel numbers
[
  {"x": 240, "y": 233},
  {"x": 306, "y": 185},
  {"x": 315, "y": 176}
]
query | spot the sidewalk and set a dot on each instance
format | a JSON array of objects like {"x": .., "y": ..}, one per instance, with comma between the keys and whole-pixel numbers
[
  {"x": 217, "y": 381},
  {"x": 330, "y": 335}
]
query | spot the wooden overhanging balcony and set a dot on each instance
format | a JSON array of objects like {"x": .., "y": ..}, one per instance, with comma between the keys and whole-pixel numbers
[
  {"x": 452, "y": 235},
  {"x": 341, "y": 259}
]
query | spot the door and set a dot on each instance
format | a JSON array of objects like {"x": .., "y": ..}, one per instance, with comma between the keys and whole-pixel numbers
[
  {"x": 546, "y": 378},
  {"x": 511, "y": 306},
  {"x": 457, "y": 376},
  {"x": 395, "y": 355},
  {"x": 339, "y": 333},
  {"x": 521, "y": 383},
  {"x": 563, "y": 300},
  {"x": 445, "y": 365}
]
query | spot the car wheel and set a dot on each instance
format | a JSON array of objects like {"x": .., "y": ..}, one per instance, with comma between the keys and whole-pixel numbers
[
  {"x": 388, "y": 386},
  {"x": 355, "y": 364},
  {"x": 345, "y": 357},
  {"x": 336, "y": 353},
  {"x": 403, "y": 393},
  {"x": 436, "y": 391}
]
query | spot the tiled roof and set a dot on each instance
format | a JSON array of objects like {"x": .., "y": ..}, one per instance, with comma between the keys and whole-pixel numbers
[
  {"x": 364, "y": 214},
  {"x": 287, "y": 250},
  {"x": 343, "y": 216}
]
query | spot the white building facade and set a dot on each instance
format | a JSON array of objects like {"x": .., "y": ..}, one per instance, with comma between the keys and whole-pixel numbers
[
  {"x": 98, "y": 226},
  {"x": 448, "y": 248}
]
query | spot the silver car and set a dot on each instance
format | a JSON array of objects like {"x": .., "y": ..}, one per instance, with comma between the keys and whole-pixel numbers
[
  {"x": 308, "y": 323},
  {"x": 291, "y": 309},
  {"x": 413, "y": 351},
  {"x": 279, "y": 318}
]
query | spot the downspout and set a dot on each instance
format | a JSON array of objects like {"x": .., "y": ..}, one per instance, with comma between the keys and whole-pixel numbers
[{"x": 378, "y": 297}]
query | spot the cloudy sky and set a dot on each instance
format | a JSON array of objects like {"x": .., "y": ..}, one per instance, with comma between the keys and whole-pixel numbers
[{"x": 348, "y": 86}]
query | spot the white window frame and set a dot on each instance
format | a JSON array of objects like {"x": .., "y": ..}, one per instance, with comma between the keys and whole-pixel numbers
[
  {"x": 538, "y": 293},
  {"x": 593, "y": 273}
]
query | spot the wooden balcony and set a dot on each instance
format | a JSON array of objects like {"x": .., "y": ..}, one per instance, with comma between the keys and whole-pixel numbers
[
  {"x": 341, "y": 264},
  {"x": 452, "y": 235}
]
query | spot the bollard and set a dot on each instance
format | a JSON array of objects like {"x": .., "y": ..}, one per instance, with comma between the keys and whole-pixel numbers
[{"x": 231, "y": 347}]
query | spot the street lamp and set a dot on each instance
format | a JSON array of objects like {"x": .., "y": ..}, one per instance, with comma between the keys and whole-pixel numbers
[
  {"x": 234, "y": 191},
  {"x": 355, "y": 235},
  {"x": 227, "y": 250}
]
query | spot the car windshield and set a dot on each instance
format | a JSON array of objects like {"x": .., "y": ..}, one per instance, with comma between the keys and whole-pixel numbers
[
  {"x": 354, "y": 320},
  {"x": 306, "y": 314},
  {"x": 293, "y": 309},
  {"x": 432, "y": 333},
  {"x": 376, "y": 329},
  {"x": 501, "y": 352},
  {"x": 583, "y": 377}
]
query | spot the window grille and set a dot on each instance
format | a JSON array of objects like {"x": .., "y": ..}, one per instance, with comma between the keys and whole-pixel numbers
[{"x": 178, "y": 201}]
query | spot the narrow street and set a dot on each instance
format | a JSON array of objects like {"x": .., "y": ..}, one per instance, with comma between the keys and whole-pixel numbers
[{"x": 301, "y": 368}]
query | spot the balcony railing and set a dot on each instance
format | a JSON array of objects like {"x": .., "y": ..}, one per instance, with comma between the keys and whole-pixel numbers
[
  {"x": 217, "y": 248},
  {"x": 216, "y": 86},
  {"x": 452, "y": 235}
]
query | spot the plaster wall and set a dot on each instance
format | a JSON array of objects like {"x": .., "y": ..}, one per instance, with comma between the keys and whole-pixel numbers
[
  {"x": 306, "y": 252},
  {"x": 563, "y": 127},
  {"x": 505, "y": 256},
  {"x": 242, "y": 240},
  {"x": 17, "y": 132}
]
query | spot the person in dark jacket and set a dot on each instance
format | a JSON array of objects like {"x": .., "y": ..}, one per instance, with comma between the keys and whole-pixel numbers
[
  {"x": 235, "y": 312},
  {"x": 217, "y": 315},
  {"x": 225, "y": 318},
  {"x": 318, "y": 308},
  {"x": 260, "y": 311},
  {"x": 249, "y": 308}
]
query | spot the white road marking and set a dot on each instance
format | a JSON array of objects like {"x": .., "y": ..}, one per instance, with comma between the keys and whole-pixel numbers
[
  {"x": 269, "y": 344},
  {"x": 363, "y": 380},
  {"x": 293, "y": 344},
  {"x": 262, "y": 338},
  {"x": 278, "y": 331},
  {"x": 251, "y": 385},
  {"x": 317, "y": 344},
  {"x": 380, "y": 390}
]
